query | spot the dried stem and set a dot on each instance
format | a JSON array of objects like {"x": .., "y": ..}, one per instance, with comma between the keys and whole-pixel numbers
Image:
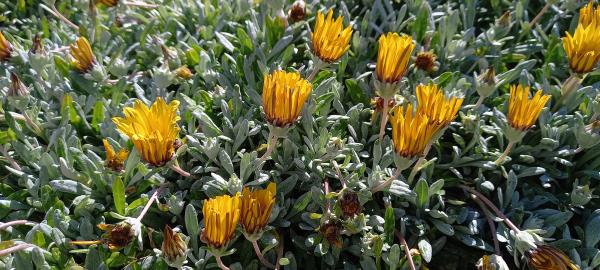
[
  {"x": 540, "y": 14},
  {"x": 270, "y": 147},
  {"x": 384, "y": 116},
  {"x": 4, "y": 226},
  {"x": 220, "y": 263},
  {"x": 387, "y": 182},
  {"x": 491, "y": 206},
  {"x": 504, "y": 154},
  {"x": 411, "y": 264},
  {"x": 339, "y": 174},
  {"x": 15, "y": 248},
  {"x": 491, "y": 224},
  {"x": 52, "y": 10},
  {"x": 260, "y": 256}
]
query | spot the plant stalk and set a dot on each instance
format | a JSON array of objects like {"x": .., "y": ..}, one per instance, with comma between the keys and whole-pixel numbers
[
  {"x": 220, "y": 263},
  {"x": 260, "y": 256},
  {"x": 387, "y": 182},
  {"x": 411, "y": 264},
  {"x": 492, "y": 206},
  {"x": 504, "y": 154},
  {"x": 384, "y": 118}
]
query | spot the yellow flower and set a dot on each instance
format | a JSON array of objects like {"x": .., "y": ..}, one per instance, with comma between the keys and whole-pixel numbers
[
  {"x": 522, "y": 111},
  {"x": 108, "y": 3},
  {"x": 174, "y": 248},
  {"x": 221, "y": 216},
  {"x": 256, "y": 208},
  {"x": 589, "y": 14},
  {"x": 410, "y": 131},
  {"x": 83, "y": 58},
  {"x": 582, "y": 48},
  {"x": 330, "y": 40},
  {"x": 435, "y": 105},
  {"x": 5, "y": 48},
  {"x": 114, "y": 160},
  {"x": 392, "y": 57},
  {"x": 549, "y": 258},
  {"x": 284, "y": 95},
  {"x": 153, "y": 130}
]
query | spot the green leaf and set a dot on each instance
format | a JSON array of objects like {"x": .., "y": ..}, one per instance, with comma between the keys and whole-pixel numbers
[
  {"x": 425, "y": 249},
  {"x": 357, "y": 95},
  {"x": 422, "y": 190},
  {"x": 420, "y": 25},
  {"x": 98, "y": 115},
  {"x": 390, "y": 225},
  {"x": 118, "y": 191}
]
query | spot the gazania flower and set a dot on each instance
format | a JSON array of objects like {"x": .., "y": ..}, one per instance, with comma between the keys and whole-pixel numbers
[
  {"x": 433, "y": 103},
  {"x": 298, "y": 11},
  {"x": 426, "y": 61},
  {"x": 221, "y": 216},
  {"x": 153, "y": 130},
  {"x": 330, "y": 40},
  {"x": 108, "y": 3},
  {"x": 83, "y": 57},
  {"x": 589, "y": 14},
  {"x": 411, "y": 131},
  {"x": 114, "y": 160},
  {"x": 284, "y": 95},
  {"x": 349, "y": 204},
  {"x": 522, "y": 111},
  {"x": 548, "y": 258},
  {"x": 582, "y": 47},
  {"x": 256, "y": 209},
  {"x": 5, "y": 48},
  {"x": 174, "y": 248},
  {"x": 393, "y": 56},
  {"x": 184, "y": 72}
]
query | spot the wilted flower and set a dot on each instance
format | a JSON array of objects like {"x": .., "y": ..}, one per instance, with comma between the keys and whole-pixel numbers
[
  {"x": 548, "y": 258},
  {"x": 17, "y": 87},
  {"x": 284, "y": 95},
  {"x": 121, "y": 234},
  {"x": 492, "y": 262},
  {"x": 411, "y": 131},
  {"x": 486, "y": 83},
  {"x": 392, "y": 57},
  {"x": 221, "y": 216},
  {"x": 153, "y": 130},
  {"x": 582, "y": 47},
  {"x": 256, "y": 207},
  {"x": 83, "y": 58},
  {"x": 174, "y": 248},
  {"x": 349, "y": 204},
  {"x": 433, "y": 103},
  {"x": 5, "y": 48},
  {"x": 522, "y": 111},
  {"x": 329, "y": 39},
  {"x": 114, "y": 160},
  {"x": 377, "y": 103},
  {"x": 332, "y": 232},
  {"x": 504, "y": 20},
  {"x": 108, "y": 3},
  {"x": 184, "y": 72},
  {"x": 298, "y": 11},
  {"x": 37, "y": 47},
  {"x": 426, "y": 61}
]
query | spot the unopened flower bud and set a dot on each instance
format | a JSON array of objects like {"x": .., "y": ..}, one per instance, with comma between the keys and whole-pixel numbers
[
  {"x": 184, "y": 72},
  {"x": 486, "y": 83},
  {"x": 174, "y": 248},
  {"x": 37, "y": 47},
  {"x": 17, "y": 87},
  {"x": 588, "y": 136},
  {"x": 505, "y": 20}
]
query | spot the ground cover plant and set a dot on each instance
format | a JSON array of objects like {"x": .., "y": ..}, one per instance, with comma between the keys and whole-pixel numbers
[{"x": 356, "y": 134}]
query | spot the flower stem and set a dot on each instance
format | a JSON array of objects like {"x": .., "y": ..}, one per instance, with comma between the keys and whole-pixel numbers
[
  {"x": 491, "y": 206},
  {"x": 491, "y": 224},
  {"x": 387, "y": 182},
  {"x": 85, "y": 242},
  {"x": 540, "y": 14},
  {"x": 316, "y": 68},
  {"x": 4, "y": 226},
  {"x": 270, "y": 147},
  {"x": 339, "y": 174},
  {"x": 479, "y": 102},
  {"x": 384, "y": 116},
  {"x": 15, "y": 248},
  {"x": 220, "y": 263},
  {"x": 260, "y": 256},
  {"x": 504, "y": 154},
  {"x": 178, "y": 170},
  {"x": 148, "y": 204},
  {"x": 411, "y": 264},
  {"x": 420, "y": 162},
  {"x": 52, "y": 10}
]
